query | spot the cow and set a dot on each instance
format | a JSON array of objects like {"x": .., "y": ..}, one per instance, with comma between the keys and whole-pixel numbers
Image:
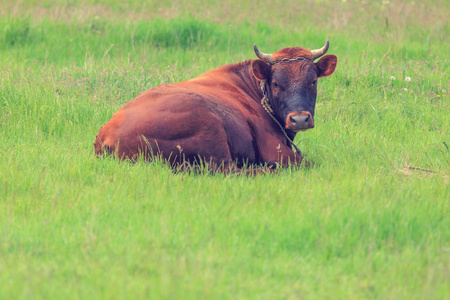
[{"x": 237, "y": 116}]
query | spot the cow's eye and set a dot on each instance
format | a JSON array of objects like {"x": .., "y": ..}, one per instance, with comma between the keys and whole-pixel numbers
[
  {"x": 314, "y": 82},
  {"x": 274, "y": 84}
]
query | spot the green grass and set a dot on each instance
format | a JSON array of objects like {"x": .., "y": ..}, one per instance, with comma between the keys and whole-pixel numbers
[{"x": 369, "y": 219}]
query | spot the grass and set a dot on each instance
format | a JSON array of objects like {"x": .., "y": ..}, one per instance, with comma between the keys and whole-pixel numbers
[{"x": 368, "y": 220}]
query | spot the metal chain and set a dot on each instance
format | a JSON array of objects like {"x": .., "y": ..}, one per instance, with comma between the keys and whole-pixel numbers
[
  {"x": 268, "y": 108},
  {"x": 290, "y": 59}
]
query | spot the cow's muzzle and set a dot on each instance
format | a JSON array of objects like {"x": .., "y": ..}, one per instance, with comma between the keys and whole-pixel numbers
[{"x": 297, "y": 121}]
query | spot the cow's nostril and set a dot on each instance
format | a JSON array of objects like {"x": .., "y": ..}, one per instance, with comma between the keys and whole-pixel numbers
[
  {"x": 292, "y": 120},
  {"x": 307, "y": 119}
]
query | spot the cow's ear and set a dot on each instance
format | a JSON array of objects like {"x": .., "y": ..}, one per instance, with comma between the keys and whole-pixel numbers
[
  {"x": 261, "y": 69},
  {"x": 326, "y": 65}
]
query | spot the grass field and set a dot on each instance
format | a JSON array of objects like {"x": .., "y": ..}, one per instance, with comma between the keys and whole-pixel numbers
[{"x": 369, "y": 220}]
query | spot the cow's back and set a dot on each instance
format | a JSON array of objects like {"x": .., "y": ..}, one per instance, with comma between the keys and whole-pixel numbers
[{"x": 203, "y": 117}]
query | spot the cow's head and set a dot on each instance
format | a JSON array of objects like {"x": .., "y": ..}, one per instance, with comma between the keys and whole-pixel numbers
[{"x": 290, "y": 76}]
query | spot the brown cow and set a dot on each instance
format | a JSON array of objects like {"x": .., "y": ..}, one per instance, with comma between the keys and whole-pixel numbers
[{"x": 240, "y": 114}]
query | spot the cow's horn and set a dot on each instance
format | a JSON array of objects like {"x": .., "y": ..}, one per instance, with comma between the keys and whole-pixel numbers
[
  {"x": 266, "y": 57},
  {"x": 319, "y": 52}
]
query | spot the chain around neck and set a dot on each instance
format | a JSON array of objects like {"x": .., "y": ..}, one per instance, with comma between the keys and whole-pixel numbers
[{"x": 300, "y": 58}]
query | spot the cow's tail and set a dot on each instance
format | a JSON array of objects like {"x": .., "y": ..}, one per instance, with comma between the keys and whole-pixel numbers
[{"x": 102, "y": 148}]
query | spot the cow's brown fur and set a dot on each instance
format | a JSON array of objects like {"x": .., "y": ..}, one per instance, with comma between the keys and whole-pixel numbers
[{"x": 215, "y": 118}]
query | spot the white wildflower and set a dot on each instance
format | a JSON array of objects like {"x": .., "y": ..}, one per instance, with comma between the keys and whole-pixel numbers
[
  {"x": 392, "y": 78},
  {"x": 407, "y": 78},
  {"x": 404, "y": 89}
]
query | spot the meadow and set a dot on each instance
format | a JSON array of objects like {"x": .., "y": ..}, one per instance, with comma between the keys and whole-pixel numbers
[{"x": 370, "y": 219}]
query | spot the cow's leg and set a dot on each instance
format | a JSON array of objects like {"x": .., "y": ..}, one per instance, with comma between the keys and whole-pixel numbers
[
  {"x": 189, "y": 157},
  {"x": 273, "y": 152}
]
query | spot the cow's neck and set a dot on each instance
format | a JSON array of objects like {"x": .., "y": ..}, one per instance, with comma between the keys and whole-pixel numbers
[{"x": 244, "y": 79}]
